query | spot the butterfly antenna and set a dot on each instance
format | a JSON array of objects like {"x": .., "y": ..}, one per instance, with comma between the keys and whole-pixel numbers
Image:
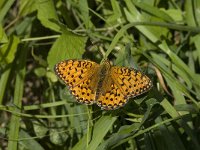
[
  {"x": 102, "y": 53},
  {"x": 97, "y": 45},
  {"x": 92, "y": 46}
]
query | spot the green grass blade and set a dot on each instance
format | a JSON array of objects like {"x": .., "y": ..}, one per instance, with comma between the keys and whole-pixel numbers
[{"x": 18, "y": 94}]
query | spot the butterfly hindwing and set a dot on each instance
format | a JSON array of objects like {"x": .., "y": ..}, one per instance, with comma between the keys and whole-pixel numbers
[
  {"x": 112, "y": 98},
  {"x": 84, "y": 92}
]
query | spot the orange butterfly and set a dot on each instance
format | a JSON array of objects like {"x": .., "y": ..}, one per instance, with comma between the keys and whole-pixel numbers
[{"x": 108, "y": 86}]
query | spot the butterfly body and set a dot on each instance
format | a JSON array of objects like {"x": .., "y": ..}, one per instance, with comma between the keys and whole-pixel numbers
[{"x": 108, "y": 86}]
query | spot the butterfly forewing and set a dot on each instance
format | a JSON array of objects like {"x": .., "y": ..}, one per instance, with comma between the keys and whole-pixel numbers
[
  {"x": 77, "y": 74},
  {"x": 131, "y": 82}
]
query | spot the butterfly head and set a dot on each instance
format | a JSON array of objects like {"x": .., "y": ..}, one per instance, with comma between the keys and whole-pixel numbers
[
  {"x": 105, "y": 61},
  {"x": 105, "y": 66}
]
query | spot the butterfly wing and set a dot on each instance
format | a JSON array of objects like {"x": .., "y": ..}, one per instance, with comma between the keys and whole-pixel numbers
[
  {"x": 111, "y": 98},
  {"x": 131, "y": 82},
  {"x": 82, "y": 78},
  {"x": 123, "y": 84}
]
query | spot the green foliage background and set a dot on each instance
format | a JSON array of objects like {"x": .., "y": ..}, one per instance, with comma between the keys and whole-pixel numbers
[{"x": 159, "y": 37}]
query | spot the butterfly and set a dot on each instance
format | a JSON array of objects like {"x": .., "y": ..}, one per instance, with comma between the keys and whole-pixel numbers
[{"x": 110, "y": 87}]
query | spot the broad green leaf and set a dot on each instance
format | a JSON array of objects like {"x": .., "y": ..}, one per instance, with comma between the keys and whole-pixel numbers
[
  {"x": 47, "y": 12},
  {"x": 67, "y": 46},
  {"x": 26, "y": 7}
]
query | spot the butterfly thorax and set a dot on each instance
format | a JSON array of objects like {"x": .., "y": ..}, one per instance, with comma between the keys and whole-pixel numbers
[{"x": 105, "y": 68}]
